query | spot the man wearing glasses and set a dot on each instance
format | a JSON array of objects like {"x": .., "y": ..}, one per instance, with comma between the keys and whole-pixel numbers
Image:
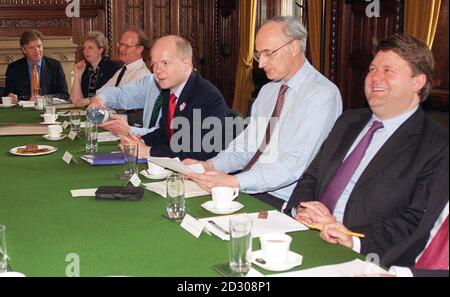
[
  {"x": 290, "y": 119},
  {"x": 133, "y": 46}
]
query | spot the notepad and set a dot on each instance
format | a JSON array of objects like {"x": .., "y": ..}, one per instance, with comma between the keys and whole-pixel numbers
[{"x": 114, "y": 158}]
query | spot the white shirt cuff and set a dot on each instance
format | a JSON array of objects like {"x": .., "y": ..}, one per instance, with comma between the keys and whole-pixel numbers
[
  {"x": 401, "y": 271},
  {"x": 356, "y": 244}
]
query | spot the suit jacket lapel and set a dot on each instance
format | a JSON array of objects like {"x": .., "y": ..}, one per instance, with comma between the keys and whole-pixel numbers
[
  {"x": 26, "y": 73},
  {"x": 185, "y": 95},
  {"x": 348, "y": 138},
  {"x": 43, "y": 76},
  {"x": 396, "y": 144}
]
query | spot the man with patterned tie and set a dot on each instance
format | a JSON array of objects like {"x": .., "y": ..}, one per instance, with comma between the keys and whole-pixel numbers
[
  {"x": 187, "y": 98},
  {"x": 133, "y": 46},
  {"x": 375, "y": 170},
  {"x": 35, "y": 74},
  {"x": 290, "y": 119}
]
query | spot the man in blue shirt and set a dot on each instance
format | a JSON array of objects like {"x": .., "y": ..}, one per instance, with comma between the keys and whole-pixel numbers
[{"x": 301, "y": 106}]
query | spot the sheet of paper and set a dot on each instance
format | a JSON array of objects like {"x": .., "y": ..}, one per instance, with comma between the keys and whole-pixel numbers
[
  {"x": 348, "y": 269},
  {"x": 57, "y": 101},
  {"x": 22, "y": 129},
  {"x": 63, "y": 106},
  {"x": 190, "y": 188},
  {"x": 276, "y": 222},
  {"x": 83, "y": 193},
  {"x": 107, "y": 137},
  {"x": 176, "y": 165}
]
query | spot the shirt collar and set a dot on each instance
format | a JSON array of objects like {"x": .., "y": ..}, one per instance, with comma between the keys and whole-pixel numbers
[
  {"x": 178, "y": 91},
  {"x": 30, "y": 63},
  {"x": 391, "y": 125},
  {"x": 135, "y": 64},
  {"x": 296, "y": 82}
]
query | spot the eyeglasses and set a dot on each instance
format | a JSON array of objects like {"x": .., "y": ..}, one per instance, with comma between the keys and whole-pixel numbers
[
  {"x": 268, "y": 53},
  {"x": 126, "y": 46}
]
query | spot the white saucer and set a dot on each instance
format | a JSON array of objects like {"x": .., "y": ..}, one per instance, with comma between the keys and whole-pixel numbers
[
  {"x": 7, "y": 106},
  {"x": 235, "y": 206},
  {"x": 148, "y": 175},
  {"x": 293, "y": 260},
  {"x": 55, "y": 123},
  {"x": 54, "y": 139}
]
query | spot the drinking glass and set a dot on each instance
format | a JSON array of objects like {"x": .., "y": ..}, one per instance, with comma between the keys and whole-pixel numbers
[
  {"x": 3, "y": 255},
  {"x": 91, "y": 136},
  {"x": 240, "y": 244},
  {"x": 176, "y": 205},
  {"x": 75, "y": 121},
  {"x": 130, "y": 152}
]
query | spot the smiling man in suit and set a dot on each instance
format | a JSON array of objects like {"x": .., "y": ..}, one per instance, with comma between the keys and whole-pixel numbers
[
  {"x": 187, "y": 99},
  {"x": 35, "y": 68},
  {"x": 375, "y": 170}
]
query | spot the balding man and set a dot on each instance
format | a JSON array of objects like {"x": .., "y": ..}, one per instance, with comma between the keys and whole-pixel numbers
[
  {"x": 187, "y": 99},
  {"x": 133, "y": 46},
  {"x": 301, "y": 105}
]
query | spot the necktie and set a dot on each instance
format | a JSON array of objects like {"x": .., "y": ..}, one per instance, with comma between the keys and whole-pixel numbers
[
  {"x": 121, "y": 74},
  {"x": 170, "y": 114},
  {"x": 156, "y": 111},
  {"x": 347, "y": 169},
  {"x": 270, "y": 127},
  {"x": 435, "y": 256},
  {"x": 35, "y": 85}
]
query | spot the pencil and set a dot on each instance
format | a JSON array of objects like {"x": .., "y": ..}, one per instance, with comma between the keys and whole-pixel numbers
[{"x": 320, "y": 228}]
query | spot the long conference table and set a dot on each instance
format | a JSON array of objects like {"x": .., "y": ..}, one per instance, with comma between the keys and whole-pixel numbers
[{"x": 47, "y": 229}]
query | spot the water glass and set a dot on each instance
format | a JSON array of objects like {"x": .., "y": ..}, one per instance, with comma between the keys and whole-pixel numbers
[
  {"x": 91, "y": 136},
  {"x": 130, "y": 152},
  {"x": 176, "y": 205},
  {"x": 49, "y": 108},
  {"x": 3, "y": 256},
  {"x": 240, "y": 244},
  {"x": 75, "y": 121}
]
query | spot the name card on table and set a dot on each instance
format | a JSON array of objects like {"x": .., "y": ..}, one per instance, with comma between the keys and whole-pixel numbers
[
  {"x": 135, "y": 180},
  {"x": 192, "y": 225},
  {"x": 72, "y": 135},
  {"x": 65, "y": 124},
  {"x": 68, "y": 158}
]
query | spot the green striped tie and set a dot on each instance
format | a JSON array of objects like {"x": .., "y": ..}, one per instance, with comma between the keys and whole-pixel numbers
[{"x": 156, "y": 110}]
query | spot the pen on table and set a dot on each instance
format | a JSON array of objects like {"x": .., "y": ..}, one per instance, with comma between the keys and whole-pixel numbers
[
  {"x": 320, "y": 228},
  {"x": 218, "y": 227}
]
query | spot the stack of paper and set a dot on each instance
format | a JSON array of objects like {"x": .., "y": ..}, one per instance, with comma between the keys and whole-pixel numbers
[
  {"x": 276, "y": 222},
  {"x": 177, "y": 166},
  {"x": 191, "y": 189},
  {"x": 107, "y": 137}
]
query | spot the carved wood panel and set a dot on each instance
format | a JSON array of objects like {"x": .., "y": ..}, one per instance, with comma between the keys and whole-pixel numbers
[{"x": 353, "y": 35}]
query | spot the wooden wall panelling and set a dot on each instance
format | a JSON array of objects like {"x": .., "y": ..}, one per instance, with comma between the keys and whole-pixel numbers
[{"x": 355, "y": 38}]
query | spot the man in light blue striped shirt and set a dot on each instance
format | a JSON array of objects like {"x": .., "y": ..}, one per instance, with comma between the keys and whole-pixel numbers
[{"x": 311, "y": 106}]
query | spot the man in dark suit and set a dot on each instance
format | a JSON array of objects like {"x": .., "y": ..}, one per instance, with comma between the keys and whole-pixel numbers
[
  {"x": 50, "y": 72},
  {"x": 189, "y": 102},
  {"x": 374, "y": 172}
]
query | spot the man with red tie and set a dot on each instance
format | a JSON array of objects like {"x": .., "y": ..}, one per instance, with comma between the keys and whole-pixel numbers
[
  {"x": 375, "y": 171},
  {"x": 187, "y": 100}
]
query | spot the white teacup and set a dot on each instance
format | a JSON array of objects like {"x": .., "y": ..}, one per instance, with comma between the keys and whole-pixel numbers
[
  {"x": 223, "y": 196},
  {"x": 275, "y": 247},
  {"x": 155, "y": 169},
  {"x": 7, "y": 101},
  {"x": 55, "y": 131},
  {"x": 50, "y": 118}
]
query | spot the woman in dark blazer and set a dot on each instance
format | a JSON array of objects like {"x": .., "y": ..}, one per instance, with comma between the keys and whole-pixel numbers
[{"x": 94, "y": 70}]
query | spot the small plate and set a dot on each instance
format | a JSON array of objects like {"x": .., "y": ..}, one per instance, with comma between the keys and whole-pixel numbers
[
  {"x": 55, "y": 123},
  {"x": 55, "y": 139},
  {"x": 7, "y": 106},
  {"x": 235, "y": 206},
  {"x": 293, "y": 260},
  {"x": 148, "y": 175},
  {"x": 51, "y": 150}
]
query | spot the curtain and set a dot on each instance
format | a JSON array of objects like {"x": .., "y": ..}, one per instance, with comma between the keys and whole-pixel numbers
[
  {"x": 314, "y": 31},
  {"x": 244, "y": 80},
  {"x": 421, "y": 18}
]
